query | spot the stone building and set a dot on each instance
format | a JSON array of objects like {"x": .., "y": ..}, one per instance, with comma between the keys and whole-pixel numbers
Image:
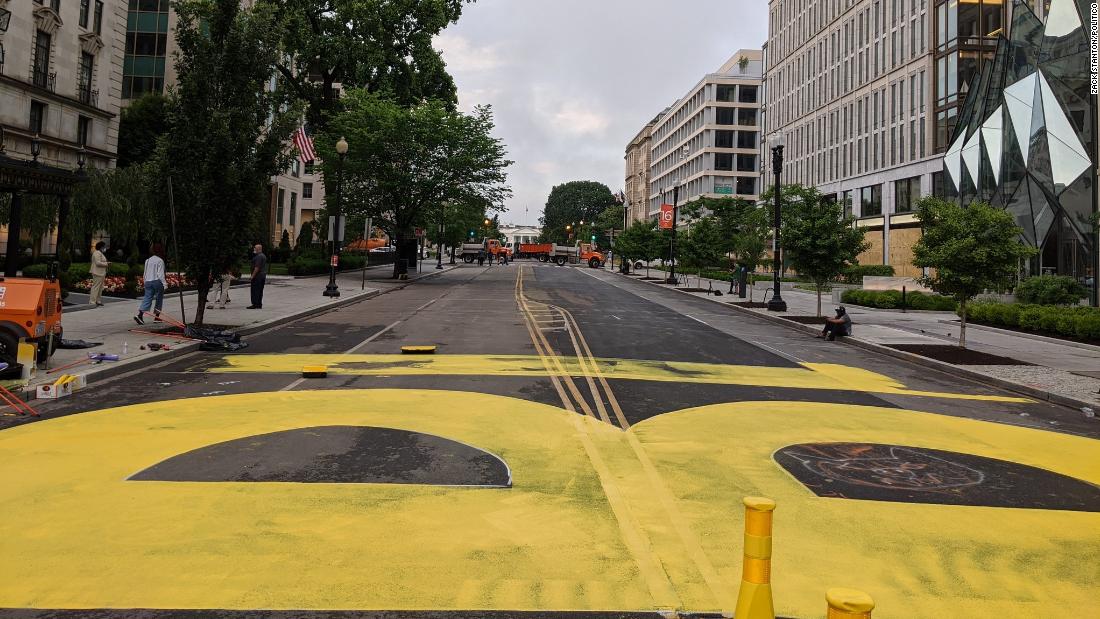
[
  {"x": 636, "y": 188},
  {"x": 60, "y": 90}
]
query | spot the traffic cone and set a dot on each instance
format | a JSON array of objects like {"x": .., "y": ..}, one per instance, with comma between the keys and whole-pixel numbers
[{"x": 754, "y": 600}]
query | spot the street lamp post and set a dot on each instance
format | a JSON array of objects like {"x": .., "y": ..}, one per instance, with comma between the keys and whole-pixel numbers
[
  {"x": 675, "y": 219},
  {"x": 332, "y": 290},
  {"x": 777, "y": 304},
  {"x": 439, "y": 240}
]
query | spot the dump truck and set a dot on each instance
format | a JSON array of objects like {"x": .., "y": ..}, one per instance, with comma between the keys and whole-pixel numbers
[
  {"x": 492, "y": 246},
  {"x": 30, "y": 310},
  {"x": 560, "y": 254}
]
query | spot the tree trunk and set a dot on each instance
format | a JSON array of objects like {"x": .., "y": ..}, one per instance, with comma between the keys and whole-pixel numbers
[
  {"x": 398, "y": 237},
  {"x": 962, "y": 325},
  {"x": 819, "y": 300},
  {"x": 203, "y": 284}
]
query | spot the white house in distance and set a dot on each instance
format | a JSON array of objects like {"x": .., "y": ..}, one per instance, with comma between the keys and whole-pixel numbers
[{"x": 517, "y": 235}]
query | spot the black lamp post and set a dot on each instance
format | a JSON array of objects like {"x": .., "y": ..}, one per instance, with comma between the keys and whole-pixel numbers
[
  {"x": 439, "y": 240},
  {"x": 675, "y": 220},
  {"x": 81, "y": 160},
  {"x": 36, "y": 149},
  {"x": 332, "y": 290},
  {"x": 777, "y": 304}
]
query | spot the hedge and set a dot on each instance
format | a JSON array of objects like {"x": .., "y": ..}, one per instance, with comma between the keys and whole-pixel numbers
[
  {"x": 891, "y": 299},
  {"x": 855, "y": 273},
  {"x": 306, "y": 265},
  {"x": 78, "y": 271},
  {"x": 1079, "y": 322},
  {"x": 1050, "y": 290}
]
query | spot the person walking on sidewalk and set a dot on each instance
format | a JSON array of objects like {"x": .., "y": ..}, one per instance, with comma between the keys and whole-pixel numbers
[
  {"x": 222, "y": 284},
  {"x": 99, "y": 273},
  {"x": 154, "y": 281},
  {"x": 259, "y": 276}
]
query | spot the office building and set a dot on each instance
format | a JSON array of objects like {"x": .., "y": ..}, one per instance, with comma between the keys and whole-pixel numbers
[
  {"x": 707, "y": 142},
  {"x": 636, "y": 187},
  {"x": 866, "y": 93}
]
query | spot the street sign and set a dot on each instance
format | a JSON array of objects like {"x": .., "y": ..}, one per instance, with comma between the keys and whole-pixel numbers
[
  {"x": 666, "y": 216},
  {"x": 724, "y": 189},
  {"x": 335, "y": 260}
]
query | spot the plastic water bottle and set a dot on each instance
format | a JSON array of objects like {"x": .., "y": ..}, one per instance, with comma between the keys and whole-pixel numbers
[
  {"x": 125, "y": 347},
  {"x": 1088, "y": 412}
]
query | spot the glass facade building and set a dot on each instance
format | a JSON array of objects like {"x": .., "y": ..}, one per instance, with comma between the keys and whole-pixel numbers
[
  {"x": 146, "y": 48},
  {"x": 1026, "y": 138}
]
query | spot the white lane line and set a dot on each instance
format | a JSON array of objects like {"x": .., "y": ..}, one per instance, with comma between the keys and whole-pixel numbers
[
  {"x": 372, "y": 338},
  {"x": 615, "y": 317},
  {"x": 426, "y": 304},
  {"x": 292, "y": 385},
  {"x": 696, "y": 319}
]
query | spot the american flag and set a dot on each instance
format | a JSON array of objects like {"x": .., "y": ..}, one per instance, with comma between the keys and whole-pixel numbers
[{"x": 305, "y": 145}]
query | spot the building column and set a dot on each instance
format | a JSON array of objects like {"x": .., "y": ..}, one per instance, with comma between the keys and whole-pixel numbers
[{"x": 15, "y": 220}]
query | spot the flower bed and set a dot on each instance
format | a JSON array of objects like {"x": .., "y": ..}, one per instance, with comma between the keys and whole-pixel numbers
[
  {"x": 1074, "y": 322},
  {"x": 116, "y": 284}
]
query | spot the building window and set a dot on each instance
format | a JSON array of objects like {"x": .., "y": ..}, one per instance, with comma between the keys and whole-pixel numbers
[
  {"x": 746, "y": 139},
  {"x": 309, "y": 167},
  {"x": 146, "y": 48},
  {"x": 56, "y": 6},
  {"x": 98, "y": 27},
  {"x": 747, "y": 94},
  {"x": 746, "y": 163},
  {"x": 724, "y": 115},
  {"x": 295, "y": 168},
  {"x": 725, "y": 92},
  {"x": 84, "y": 85},
  {"x": 746, "y": 116},
  {"x": 906, "y": 194},
  {"x": 293, "y": 209},
  {"x": 307, "y": 191},
  {"x": 746, "y": 186},
  {"x": 723, "y": 162},
  {"x": 846, "y": 201},
  {"x": 279, "y": 207},
  {"x": 83, "y": 128},
  {"x": 84, "y": 9},
  {"x": 41, "y": 70},
  {"x": 870, "y": 201},
  {"x": 38, "y": 117},
  {"x": 723, "y": 139}
]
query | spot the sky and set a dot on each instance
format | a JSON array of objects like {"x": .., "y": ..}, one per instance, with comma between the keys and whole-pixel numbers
[{"x": 571, "y": 82}]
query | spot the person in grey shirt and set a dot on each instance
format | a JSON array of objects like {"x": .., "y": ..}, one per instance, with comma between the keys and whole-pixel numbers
[
  {"x": 841, "y": 325},
  {"x": 259, "y": 276}
]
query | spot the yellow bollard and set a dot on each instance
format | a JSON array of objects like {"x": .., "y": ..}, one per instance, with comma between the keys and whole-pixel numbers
[
  {"x": 754, "y": 600},
  {"x": 849, "y": 604}
]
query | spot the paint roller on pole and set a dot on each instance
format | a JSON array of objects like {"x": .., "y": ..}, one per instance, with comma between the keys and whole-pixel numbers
[{"x": 754, "y": 600}]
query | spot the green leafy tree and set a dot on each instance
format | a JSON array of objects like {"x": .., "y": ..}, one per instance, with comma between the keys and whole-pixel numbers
[
  {"x": 403, "y": 162},
  {"x": 284, "y": 241},
  {"x": 140, "y": 127},
  {"x": 571, "y": 203},
  {"x": 304, "y": 241},
  {"x": 611, "y": 218},
  {"x": 227, "y": 132},
  {"x": 127, "y": 202},
  {"x": 373, "y": 45},
  {"x": 968, "y": 250},
  {"x": 701, "y": 245},
  {"x": 818, "y": 239}
]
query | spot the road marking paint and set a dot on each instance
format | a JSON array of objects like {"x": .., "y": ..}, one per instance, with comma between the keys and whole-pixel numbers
[
  {"x": 373, "y": 337},
  {"x": 696, "y": 319},
  {"x": 293, "y": 385}
]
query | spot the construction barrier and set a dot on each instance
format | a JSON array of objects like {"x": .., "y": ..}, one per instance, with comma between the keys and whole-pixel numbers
[
  {"x": 849, "y": 604},
  {"x": 754, "y": 600}
]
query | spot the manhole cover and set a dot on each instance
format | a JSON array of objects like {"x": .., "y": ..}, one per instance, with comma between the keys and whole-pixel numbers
[{"x": 877, "y": 472}]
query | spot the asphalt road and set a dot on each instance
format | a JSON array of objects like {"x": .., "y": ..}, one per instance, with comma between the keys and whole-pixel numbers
[{"x": 579, "y": 441}]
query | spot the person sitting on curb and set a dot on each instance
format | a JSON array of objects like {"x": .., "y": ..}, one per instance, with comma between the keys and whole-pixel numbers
[{"x": 841, "y": 325}]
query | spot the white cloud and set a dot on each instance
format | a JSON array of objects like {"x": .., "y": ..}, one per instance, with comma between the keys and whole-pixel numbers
[
  {"x": 578, "y": 119},
  {"x": 462, "y": 56}
]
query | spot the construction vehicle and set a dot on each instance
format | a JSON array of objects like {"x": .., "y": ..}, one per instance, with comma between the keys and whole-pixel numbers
[
  {"x": 491, "y": 246},
  {"x": 30, "y": 310},
  {"x": 561, "y": 254}
]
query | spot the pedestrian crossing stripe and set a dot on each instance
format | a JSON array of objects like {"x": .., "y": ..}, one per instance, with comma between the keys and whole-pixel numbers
[{"x": 809, "y": 376}]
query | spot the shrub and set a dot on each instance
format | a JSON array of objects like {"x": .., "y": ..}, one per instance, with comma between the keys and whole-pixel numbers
[
  {"x": 303, "y": 265},
  {"x": 1087, "y": 327},
  {"x": 1050, "y": 290},
  {"x": 855, "y": 273},
  {"x": 37, "y": 271},
  {"x": 891, "y": 299}
]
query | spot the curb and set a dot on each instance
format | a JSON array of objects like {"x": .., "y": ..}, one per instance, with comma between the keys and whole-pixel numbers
[
  {"x": 113, "y": 371},
  {"x": 1030, "y": 336},
  {"x": 947, "y": 368}
]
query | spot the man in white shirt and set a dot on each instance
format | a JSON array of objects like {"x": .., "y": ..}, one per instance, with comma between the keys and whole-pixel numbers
[
  {"x": 154, "y": 281},
  {"x": 99, "y": 273}
]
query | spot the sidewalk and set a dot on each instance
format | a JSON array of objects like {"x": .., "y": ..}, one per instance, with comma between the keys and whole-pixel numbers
[
  {"x": 285, "y": 299},
  {"x": 1067, "y": 373}
]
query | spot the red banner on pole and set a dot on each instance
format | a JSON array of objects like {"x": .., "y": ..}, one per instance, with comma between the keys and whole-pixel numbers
[
  {"x": 335, "y": 260},
  {"x": 666, "y": 216}
]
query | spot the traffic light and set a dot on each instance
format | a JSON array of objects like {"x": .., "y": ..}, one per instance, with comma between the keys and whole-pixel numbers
[
  {"x": 471, "y": 234},
  {"x": 593, "y": 238}
]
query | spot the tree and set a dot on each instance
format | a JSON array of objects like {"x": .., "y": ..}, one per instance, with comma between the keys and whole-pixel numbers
[
  {"x": 284, "y": 241},
  {"x": 572, "y": 203},
  {"x": 228, "y": 133},
  {"x": 611, "y": 218},
  {"x": 701, "y": 246},
  {"x": 743, "y": 227},
  {"x": 404, "y": 163},
  {"x": 818, "y": 239},
  {"x": 304, "y": 241},
  {"x": 140, "y": 127},
  {"x": 373, "y": 45},
  {"x": 968, "y": 250}
]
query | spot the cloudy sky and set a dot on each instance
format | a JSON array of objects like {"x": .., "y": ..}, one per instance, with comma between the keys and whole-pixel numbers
[{"x": 572, "y": 81}]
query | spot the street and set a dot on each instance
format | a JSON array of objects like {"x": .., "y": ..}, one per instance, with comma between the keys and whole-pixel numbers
[{"x": 578, "y": 441}]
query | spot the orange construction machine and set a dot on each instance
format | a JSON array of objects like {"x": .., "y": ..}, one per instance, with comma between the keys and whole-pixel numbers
[
  {"x": 30, "y": 309},
  {"x": 560, "y": 254}
]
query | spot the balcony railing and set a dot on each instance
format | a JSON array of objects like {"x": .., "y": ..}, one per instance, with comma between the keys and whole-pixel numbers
[
  {"x": 43, "y": 79},
  {"x": 87, "y": 96}
]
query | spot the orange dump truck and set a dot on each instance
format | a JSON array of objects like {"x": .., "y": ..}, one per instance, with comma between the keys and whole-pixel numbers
[
  {"x": 30, "y": 309},
  {"x": 560, "y": 254},
  {"x": 492, "y": 246}
]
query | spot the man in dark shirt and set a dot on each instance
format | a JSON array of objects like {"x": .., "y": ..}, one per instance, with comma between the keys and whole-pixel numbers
[
  {"x": 841, "y": 325},
  {"x": 259, "y": 276}
]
